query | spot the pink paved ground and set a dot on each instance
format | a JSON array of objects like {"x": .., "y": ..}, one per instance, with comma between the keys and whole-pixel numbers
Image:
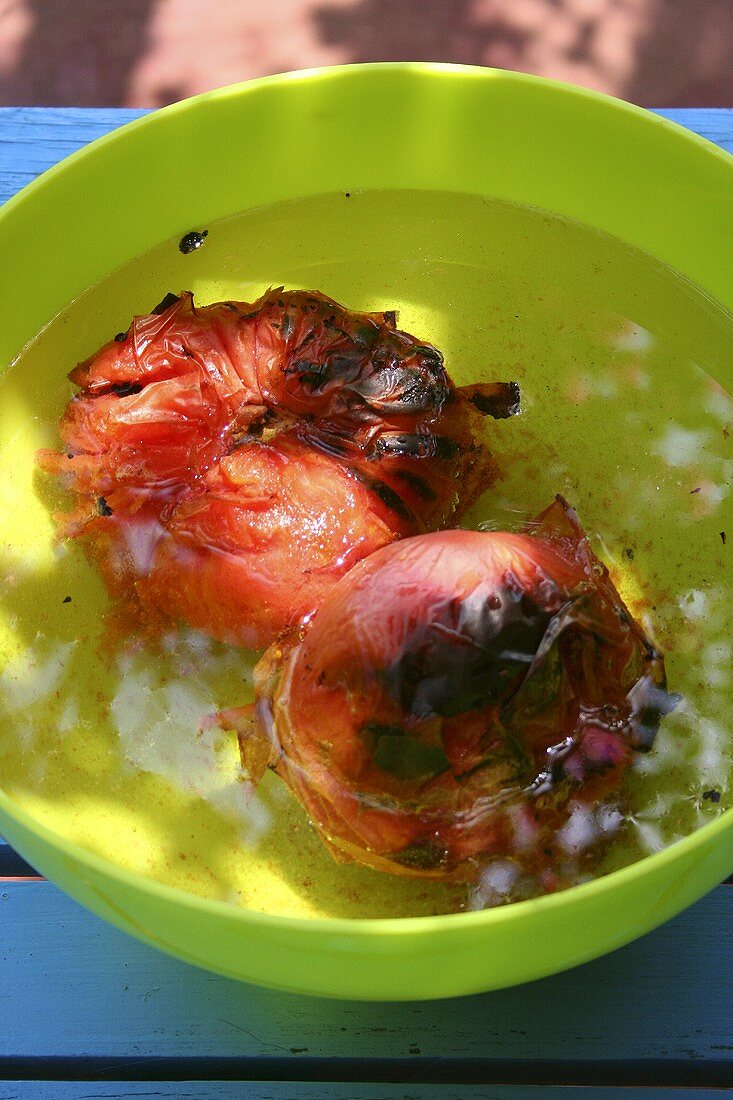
[{"x": 149, "y": 52}]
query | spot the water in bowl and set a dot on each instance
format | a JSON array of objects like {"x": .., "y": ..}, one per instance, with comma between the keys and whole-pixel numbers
[{"x": 620, "y": 361}]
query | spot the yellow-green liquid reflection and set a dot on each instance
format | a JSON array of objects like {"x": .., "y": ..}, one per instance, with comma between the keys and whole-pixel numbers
[{"x": 619, "y": 361}]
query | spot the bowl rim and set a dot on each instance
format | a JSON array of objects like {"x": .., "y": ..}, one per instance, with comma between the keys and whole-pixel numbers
[
  {"x": 366, "y": 927},
  {"x": 334, "y": 72}
]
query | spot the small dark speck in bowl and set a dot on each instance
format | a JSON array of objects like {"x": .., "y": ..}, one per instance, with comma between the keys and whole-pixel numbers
[{"x": 192, "y": 241}]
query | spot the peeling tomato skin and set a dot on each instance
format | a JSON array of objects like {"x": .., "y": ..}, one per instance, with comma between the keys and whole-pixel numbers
[
  {"x": 455, "y": 694},
  {"x": 191, "y": 426}
]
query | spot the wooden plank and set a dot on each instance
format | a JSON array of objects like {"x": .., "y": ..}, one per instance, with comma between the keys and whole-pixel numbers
[
  {"x": 665, "y": 997},
  {"x": 298, "y": 1090},
  {"x": 32, "y": 139},
  {"x": 713, "y": 123}
]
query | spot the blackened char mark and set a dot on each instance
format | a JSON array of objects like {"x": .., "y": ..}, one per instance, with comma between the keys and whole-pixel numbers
[
  {"x": 392, "y": 499},
  {"x": 417, "y": 483},
  {"x": 124, "y": 389},
  {"x": 328, "y": 437},
  {"x": 472, "y": 653},
  {"x": 165, "y": 303},
  {"x": 650, "y": 702},
  {"x": 498, "y": 399},
  {"x": 422, "y": 856},
  {"x": 445, "y": 447},
  {"x": 287, "y": 326},
  {"x": 388, "y": 496},
  {"x": 413, "y": 445},
  {"x": 339, "y": 369},
  {"x": 404, "y": 379}
]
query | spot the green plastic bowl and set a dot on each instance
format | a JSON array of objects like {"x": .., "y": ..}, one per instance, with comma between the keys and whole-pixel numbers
[{"x": 418, "y": 127}]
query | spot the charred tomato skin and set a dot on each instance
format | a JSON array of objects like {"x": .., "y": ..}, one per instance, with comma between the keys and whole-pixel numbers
[
  {"x": 456, "y": 695},
  {"x": 213, "y": 432}
]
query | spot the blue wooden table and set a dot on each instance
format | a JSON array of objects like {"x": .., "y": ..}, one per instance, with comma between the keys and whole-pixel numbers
[{"x": 87, "y": 1012}]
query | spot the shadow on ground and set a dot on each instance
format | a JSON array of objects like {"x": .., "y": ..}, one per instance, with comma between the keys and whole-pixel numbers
[{"x": 76, "y": 53}]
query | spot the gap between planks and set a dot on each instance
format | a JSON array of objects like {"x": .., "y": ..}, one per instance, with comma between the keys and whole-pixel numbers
[
  {"x": 304, "y": 1090},
  {"x": 642, "y": 1073}
]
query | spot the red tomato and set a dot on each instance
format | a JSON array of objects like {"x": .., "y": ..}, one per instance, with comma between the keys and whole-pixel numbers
[
  {"x": 276, "y": 524},
  {"x": 230, "y": 462},
  {"x": 457, "y": 696}
]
